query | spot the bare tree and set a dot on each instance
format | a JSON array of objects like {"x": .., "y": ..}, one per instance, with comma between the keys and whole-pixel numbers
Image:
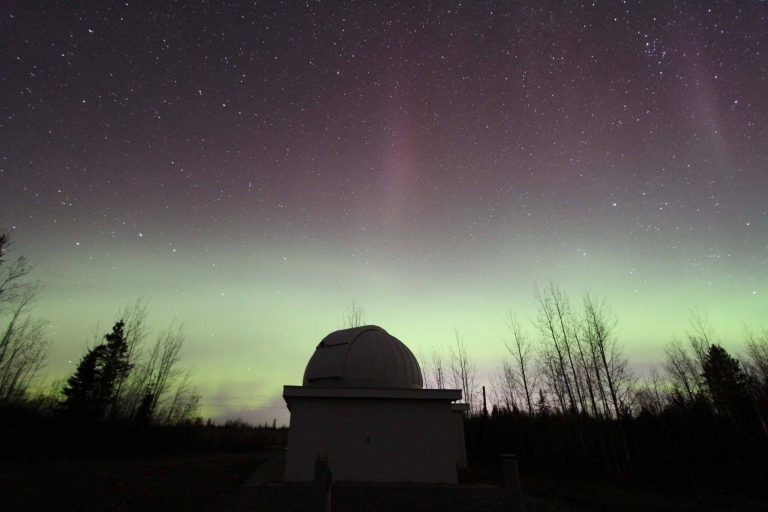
[
  {"x": 161, "y": 368},
  {"x": 553, "y": 350},
  {"x": 595, "y": 363},
  {"x": 153, "y": 388},
  {"x": 426, "y": 370},
  {"x": 508, "y": 384},
  {"x": 497, "y": 392},
  {"x": 684, "y": 362},
  {"x": 13, "y": 284},
  {"x": 23, "y": 347},
  {"x": 684, "y": 371},
  {"x": 650, "y": 397},
  {"x": 134, "y": 318},
  {"x": 612, "y": 365},
  {"x": 568, "y": 327},
  {"x": 587, "y": 369},
  {"x": 354, "y": 316},
  {"x": 184, "y": 402},
  {"x": 463, "y": 371},
  {"x": 756, "y": 366},
  {"x": 700, "y": 338},
  {"x": 757, "y": 354},
  {"x": 520, "y": 351},
  {"x": 553, "y": 380},
  {"x": 437, "y": 367}
]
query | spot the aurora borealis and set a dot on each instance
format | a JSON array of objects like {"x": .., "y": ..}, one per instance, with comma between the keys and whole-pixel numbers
[{"x": 251, "y": 170}]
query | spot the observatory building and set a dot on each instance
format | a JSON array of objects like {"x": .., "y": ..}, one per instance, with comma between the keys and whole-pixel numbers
[{"x": 362, "y": 405}]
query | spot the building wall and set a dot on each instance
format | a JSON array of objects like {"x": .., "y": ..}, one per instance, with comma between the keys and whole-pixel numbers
[
  {"x": 459, "y": 443},
  {"x": 373, "y": 440}
]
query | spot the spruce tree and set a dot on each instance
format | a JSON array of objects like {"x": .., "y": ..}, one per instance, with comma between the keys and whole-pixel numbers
[
  {"x": 116, "y": 365},
  {"x": 727, "y": 384},
  {"x": 84, "y": 396},
  {"x": 92, "y": 391}
]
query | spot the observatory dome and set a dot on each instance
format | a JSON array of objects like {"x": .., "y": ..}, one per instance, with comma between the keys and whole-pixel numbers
[{"x": 363, "y": 357}]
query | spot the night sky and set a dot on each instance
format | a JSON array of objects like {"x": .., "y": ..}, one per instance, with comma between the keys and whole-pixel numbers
[{"x": 251, "y": 170}]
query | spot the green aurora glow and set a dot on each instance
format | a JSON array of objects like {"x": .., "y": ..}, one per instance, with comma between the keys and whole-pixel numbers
[{"x": 253, "y": 315}]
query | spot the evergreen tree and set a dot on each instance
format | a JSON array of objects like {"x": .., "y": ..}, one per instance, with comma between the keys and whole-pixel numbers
[
  {"x": 116, "y": 364},
  {"x": 83, "y": 392},
  {"x": 93, "y": 389},
  {"x": 727, "y": 384}
]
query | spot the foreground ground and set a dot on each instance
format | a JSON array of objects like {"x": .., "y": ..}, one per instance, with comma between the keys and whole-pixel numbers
[
  {"x": 544, "y": 493},
  {"x": 551, "y": 494},
  {"x": 190, "y": 483},
  {"x": 215, "y": 481}
]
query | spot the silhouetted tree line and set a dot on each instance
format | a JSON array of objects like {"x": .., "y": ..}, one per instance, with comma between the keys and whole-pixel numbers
[
  {"x": 570, "y": 405},
  {"x": 125, "y": 396},
  {"x": 118, "y": 379},
  {"x": 26, "y": 432},
  {"x": 123, "y": 399},
  {"x": 120, "y": 390}
]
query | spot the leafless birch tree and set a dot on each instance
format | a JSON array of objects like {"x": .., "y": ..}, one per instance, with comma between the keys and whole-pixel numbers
[
  {"x": 613, "y": 367},
  {"x": 183, "y": 404},
  {"x": 553, "y": 349},
  {"x": 437, "y": 371},
  {"x": 519, "y": 349},
  {"x": 464, "y": 371},
  {"x": 757, "y": 354},
  {"x": 684, "y": 371},
  {"x": 354, "y": 316}
]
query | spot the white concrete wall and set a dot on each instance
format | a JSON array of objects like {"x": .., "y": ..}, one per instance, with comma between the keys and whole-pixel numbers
[{"x": 373, "y": 440}]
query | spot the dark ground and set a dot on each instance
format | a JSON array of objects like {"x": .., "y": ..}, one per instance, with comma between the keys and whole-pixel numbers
[
  {"x": 198, "y": 482},
  {"x": 238, "y": 482},
  {"x": 480, "y": 489}
]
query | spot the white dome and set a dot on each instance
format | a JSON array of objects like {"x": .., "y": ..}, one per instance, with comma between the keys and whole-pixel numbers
[{"x": 363, "y": 357}]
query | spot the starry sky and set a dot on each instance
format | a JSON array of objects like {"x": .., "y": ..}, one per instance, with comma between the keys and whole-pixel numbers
[{"x": 253, "y": 169}]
